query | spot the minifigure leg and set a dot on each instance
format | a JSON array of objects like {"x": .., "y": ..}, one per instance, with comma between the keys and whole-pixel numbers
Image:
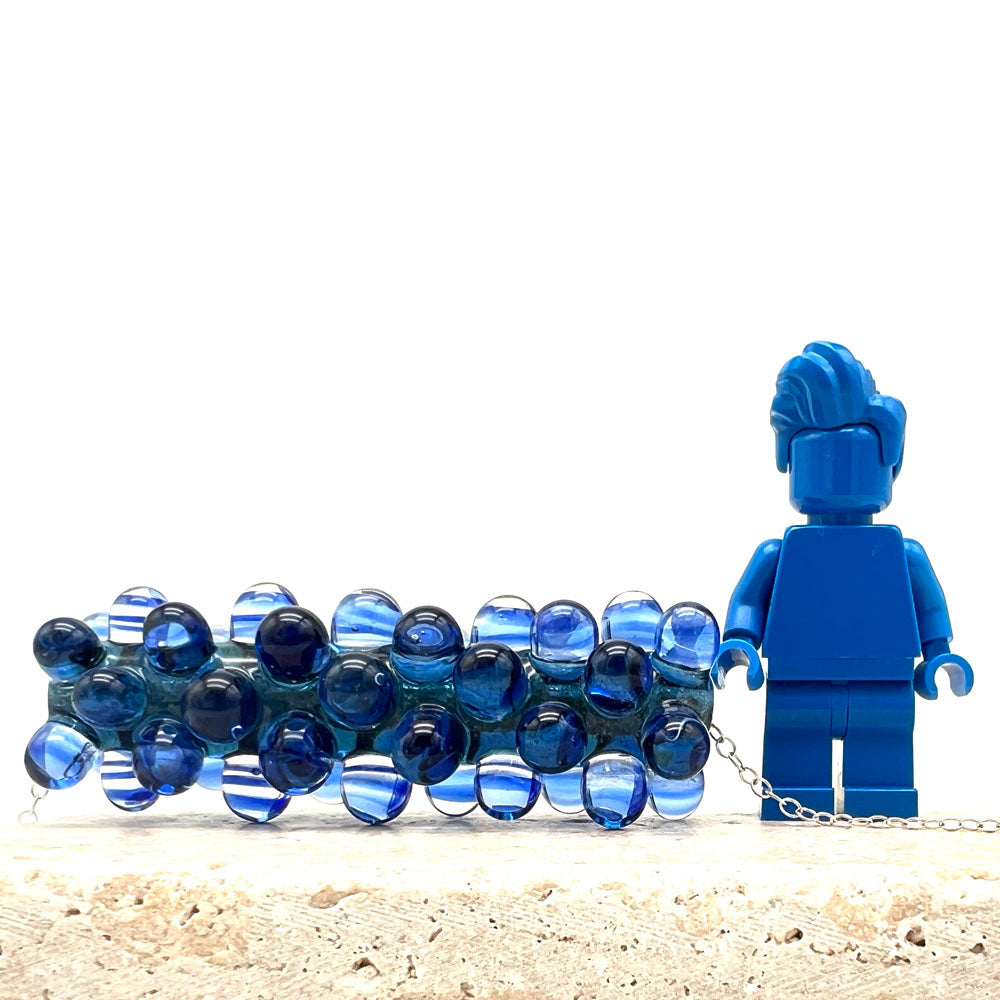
[
  {"x": 797, "y": 745},
  {"x": 878, "y": 749}
]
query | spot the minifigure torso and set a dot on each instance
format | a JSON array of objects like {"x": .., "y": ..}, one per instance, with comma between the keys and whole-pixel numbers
[{"x": 842, "y": 606}]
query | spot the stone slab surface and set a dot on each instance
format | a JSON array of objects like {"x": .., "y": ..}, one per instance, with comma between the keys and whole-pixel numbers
[{"x": 549, "y": 907}]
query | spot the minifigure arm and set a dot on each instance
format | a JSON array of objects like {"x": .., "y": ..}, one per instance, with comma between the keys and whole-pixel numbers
[
  {"x": 934, "y": 627},
  {"x": 747, "y": 617}
]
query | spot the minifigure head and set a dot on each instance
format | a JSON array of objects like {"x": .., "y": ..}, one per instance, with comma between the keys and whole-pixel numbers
[{"x": 840, "y": 441}]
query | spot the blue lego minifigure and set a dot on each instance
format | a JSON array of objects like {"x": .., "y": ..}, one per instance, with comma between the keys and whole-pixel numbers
[{"x": 840, "y": 607}]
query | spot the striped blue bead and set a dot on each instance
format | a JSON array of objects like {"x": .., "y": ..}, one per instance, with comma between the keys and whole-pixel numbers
[
  {"x": 253, "y": 606},
  {"x": 247, "y": 792},
  {"x": 121, "y": 786},
  {"x": 129, "y": 612}
]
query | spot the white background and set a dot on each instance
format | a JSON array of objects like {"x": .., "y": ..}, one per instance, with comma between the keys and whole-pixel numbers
[{"x": 457, "y": 300}]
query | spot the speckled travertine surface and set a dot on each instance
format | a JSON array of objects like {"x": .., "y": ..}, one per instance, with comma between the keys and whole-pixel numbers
[{"x": 553, "y": 908}]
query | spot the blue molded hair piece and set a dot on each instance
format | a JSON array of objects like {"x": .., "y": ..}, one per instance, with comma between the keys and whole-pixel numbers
[{"x": 826, "y": 387}]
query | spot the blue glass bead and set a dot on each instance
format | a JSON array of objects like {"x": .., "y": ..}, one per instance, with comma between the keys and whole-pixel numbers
[
  {"x": 551, "y": 737},
  {"x": 357, "y": 689},
  {"x": 675, "y": 743},
  {"x": 120, "y": 784},
  {"x": 675, "y": 798},
  {"x": 687, "y": 636},
  {"x": 490, "y": 682},
  {"x": 292, "y": 645},
  {"x": 58, "y": 756},
  {"x": 110, "y": 697},
  {"x": 297, "y": 753},
  {"x": 506, "y": 788},
  {"x": 455, "y": 796},
  {"x": 166, "y": 756},
  {"x": 364, "y": 618},
  {"x": 564, "y": 791},
  {"x": 66, "y": 647},
  {"x": 329, "y": 792},
  {"x": 373, "y": 792},
  {"x": 563, "y": 635},
  {"x": 634, "y": 616},
  {"x": 428, "y": 745},
  {"x": 177, "y": 639},
  {"x": 220, "y": 705},
  {"x": 100, "y": 622},
  {"x": 507, "y": 620},
  {"x": 211, "y": 773},
  {"x": 247, "y": 792},
  {"x": 253, "y": 606},
  {"x": 618, "y": 678},
  {"x": 426, "y": 643},
  {"x": 614, "y": 790},
  {"x": 128, "y": 614}
]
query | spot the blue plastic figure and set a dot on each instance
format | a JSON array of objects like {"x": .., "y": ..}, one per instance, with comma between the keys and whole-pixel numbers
[{"x": 840, "y": 607}]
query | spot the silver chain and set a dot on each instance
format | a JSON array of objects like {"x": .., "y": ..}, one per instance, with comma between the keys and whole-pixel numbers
[
  {"x": 794, "y": 809},
  {"x": 31, "y": 815}
]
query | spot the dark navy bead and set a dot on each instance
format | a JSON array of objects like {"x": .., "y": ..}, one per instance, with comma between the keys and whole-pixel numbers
[
  {"x": 177, "y": 638},
  {"x": 297, "y": 753},
  {"x": 220, "y": 705},
  {"x": 675, "y": 743},
  {"x": 292, "y": 645},
  {"x": 58, "y": 756},
  {"x": 66, "y": 647},
  {"x": 166, "y": 756},
  {"x": 618, "y": 677},
  {"x": 428, "y": 745},
  {"x": 551, "y": 737},
  {"x": 110, "y": 697},
  {"x": 490, "y": 682},
  {"x": 426, "y": 643},
  {"x": 356, "y": 690}
]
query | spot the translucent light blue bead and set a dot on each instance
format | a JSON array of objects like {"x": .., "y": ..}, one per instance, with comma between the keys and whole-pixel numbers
[
  {"x": 564, "y": 791},
  {"x": 490, "y": 682},
  {"x": 618, "y": 678},
  {"x": 506, "y": 787},
  {"x": 253, "y": 606},
  {"x": 166, "y": 756},
  {"x": 120, "y": 784},
  {"x": 506, "y": 619},
  {"x": 373, "y": 792},
  {"x": 675, "y": 742},
  {"x": 99, "y": 621},
  {"x": 211, "y": 773},
  {"x": 292, "y": 645},
  {"x": 65, "y": 648},
  {"x": 364, "y": 618},
  {"x": 357, "y": 689},
  {"x": 110, "y": 697},
  {"x": 455, "y": 796},
  {"x": 297, "y": 753},
  {"x": 552, "y": 737},
  {"x": 687, "y": 637},
  {"x": 675, "y": 799},
  {"x": 128, "y": 614},
  {"x": 632, "y": 615},
  {"x": 426, "y": 644},
  {"x": 247, "y": 792},
  {"x": 428, "y": 744},
  {"x": 58, "y": 756},
  {"x": 614, "y": 790},
  {"x": 563, "y": 635},
  {"x": 177, "y": 638},
  {"x": 329, "y": 792},
  {"x": 220, "y": 705}
]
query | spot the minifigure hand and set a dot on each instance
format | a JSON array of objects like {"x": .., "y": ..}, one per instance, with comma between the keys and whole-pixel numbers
[
  {"x": 960, "y": 675},
  {"x": 737, "y": 653}
]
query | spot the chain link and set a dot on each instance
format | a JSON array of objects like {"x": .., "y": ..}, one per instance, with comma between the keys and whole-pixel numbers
[
  {"x": 30, "y": 816},
  {"x": 794, "y": 809}
]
